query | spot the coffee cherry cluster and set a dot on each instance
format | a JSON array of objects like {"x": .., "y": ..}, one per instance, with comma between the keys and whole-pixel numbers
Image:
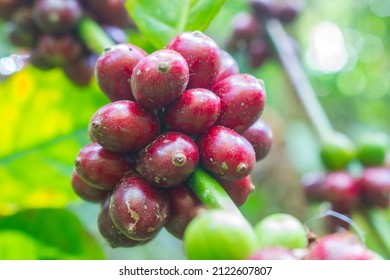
[
  {"x": 248, "y": 33},
  {"x": 214, "y": 235},
  {"x": 47, "y": 29},
  {"x": 283, "y": 237},
  {"x": 347, "y": 191},
  {"x": 180, "y": 108}
]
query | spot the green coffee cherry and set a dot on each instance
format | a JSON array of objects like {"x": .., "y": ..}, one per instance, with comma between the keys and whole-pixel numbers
[
  {"x": 337, "y": 151},
  {"x": 372, "y": 149},
  {"x": 219, "y": 235},
  {"x": 281, "y": 230}
]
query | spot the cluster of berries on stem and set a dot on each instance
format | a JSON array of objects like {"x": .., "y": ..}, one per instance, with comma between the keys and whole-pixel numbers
[
  {"x": 351, "y": 189},
  {"x": 176, "y": 110}
]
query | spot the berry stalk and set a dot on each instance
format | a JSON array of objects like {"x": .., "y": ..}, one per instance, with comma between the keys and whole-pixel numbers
[
  {"x": 377, "y": 229},
  {"x": 210, "y": 192},
  {"x": 297, "y": 77},
  {"x": 93, "y": 36}
]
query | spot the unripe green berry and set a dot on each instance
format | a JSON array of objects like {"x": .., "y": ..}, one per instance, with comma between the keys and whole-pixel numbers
[
  {"x": 281, "y": 230},
  {"x": 337, "y": 151},
  {"x": 372, "y": 149},
  {"x": 219, "y": 235}
]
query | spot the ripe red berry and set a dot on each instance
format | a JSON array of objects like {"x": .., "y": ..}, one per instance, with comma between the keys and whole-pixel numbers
[
  {"x": 137, "y": 209},
  {"x": 159, "y": 78},
  {"x": 124, "y": 126},
  {"x": 226, "y": 154},
  {"x": 86, "y": 191},
  {"x": 59, "y": 50},
  {"x": 285, "y": 10},
  {"x": 374, "y": 184},
  {"x": 195, "y": 111},
  {"x": 313, "y": 186},
  {"x": 110, "y": 233},
  {"x": 245, "y": 26},
  {"x": 342, "y": 190},
  {"x": 114, "y": 68},
  {"x": 81, "y": 72},
  {"x": 238, "y": 190},
  {"x": 202, "y": 56},
  {"x": 258, "y": 52},
  {"x": 101, "y": 168},
  {"x": 168, "y": 160},
  {"x": 242, "y": 101},
  {"x": 57, "y": 16},
  {"x": 184, "y": 206},
  {"x": 260, "y": 136},
  {"x": 112, "y": 12},
  {"x": 273, "y": 253},
  {"x": 229, "y": 66},
  {"x": 338, "y": 246}
]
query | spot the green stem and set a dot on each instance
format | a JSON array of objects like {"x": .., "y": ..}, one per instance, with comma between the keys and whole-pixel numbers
[
  {"x": 377, "y": 229},
  {"x": 297, "y": 77},
  {"x": 93, "y": 36},
  {"x": 209, "y": 191}
]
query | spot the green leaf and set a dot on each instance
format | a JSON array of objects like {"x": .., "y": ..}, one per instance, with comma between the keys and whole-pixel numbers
[
  {"x": 15, "y": 245},
  {"x": 160, "y": 21},
  {"x": 44, "y": 125},
  {"x": 202, "y": 12},
  {"x": 46, "y": 234}
]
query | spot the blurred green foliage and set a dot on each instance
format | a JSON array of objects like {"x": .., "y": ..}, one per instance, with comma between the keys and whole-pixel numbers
[
  {"x": 44, "y": 120},
  {"x": 44, "y": 125},
  {"x": 46, "y": 234}
]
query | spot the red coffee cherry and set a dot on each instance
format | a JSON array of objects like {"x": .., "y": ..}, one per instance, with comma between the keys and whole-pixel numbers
[
  {"x": 112, "y": 12},
  {"x": 137, "y": 209},
  {"x": 184, "y": 206},
  {"x": 338, "y": 246},
  {"x": 82, "y": 71},
  {"x": 195, "y": 111},
  {"x": 114, "y": 68},
  {"x": 342, "y": 190},
  {"x": 86, "y": 191},
  {"x": 260, "y": 136},
  {"x": 313, "y": 186},
  {"x": 202, "y": 56},
  {"x": 273, "y": 253},
  {"x": 238, "y": 190},
  {"x": 374, "y": 184},
  {"x": 124, "y": 126},
  {"x": 226, "y": 154},
  {"x": 242, "y": 101},
  {"x": 100, "y": 168},
  {"x": 229, "y": 66},
  {"x": 57, "y": 16},
  {"x": 159, "y": 78},
  {"x": 168, "y": 160},
  {"x": 59, "y": 50},
  {"x": 109, "y": 231}
]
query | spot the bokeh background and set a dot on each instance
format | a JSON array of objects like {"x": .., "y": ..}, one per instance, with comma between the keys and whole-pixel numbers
[{"x": 345, "y": 50}]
